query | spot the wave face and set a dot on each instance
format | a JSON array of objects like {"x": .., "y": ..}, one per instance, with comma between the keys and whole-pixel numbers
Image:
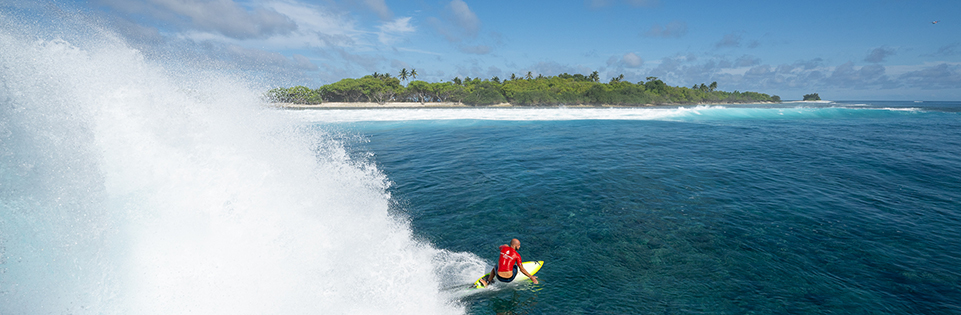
[{"x": 133, "y": 186}]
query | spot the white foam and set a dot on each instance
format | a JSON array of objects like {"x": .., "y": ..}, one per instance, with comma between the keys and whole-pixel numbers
[
  {"x": 503, "y": 114},
  {"x": 681, "y": 113},
  {"x": 901, "y": 109},
  {"x": 135, "y": 190}
]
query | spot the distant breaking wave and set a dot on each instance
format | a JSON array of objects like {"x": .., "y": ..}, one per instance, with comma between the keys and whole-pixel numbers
[{"x": 691, "y": 113}]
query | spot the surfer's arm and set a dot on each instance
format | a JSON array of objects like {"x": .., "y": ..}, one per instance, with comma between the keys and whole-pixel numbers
[{"x": 528, "y": 274}]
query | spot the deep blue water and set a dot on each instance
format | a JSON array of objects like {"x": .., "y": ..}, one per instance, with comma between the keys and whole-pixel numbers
[
  {"x": 138, "y": 182},
  {"x": 851, "y": 207}
]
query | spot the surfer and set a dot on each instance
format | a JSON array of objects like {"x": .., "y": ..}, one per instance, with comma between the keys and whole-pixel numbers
[{"x": 507, "y": 265}]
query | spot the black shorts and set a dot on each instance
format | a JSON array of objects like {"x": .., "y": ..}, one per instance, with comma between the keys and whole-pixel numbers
[{"x": 507, "y": 279}]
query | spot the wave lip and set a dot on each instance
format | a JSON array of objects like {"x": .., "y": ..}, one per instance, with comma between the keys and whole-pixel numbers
[{"x": 129, "y": 185}]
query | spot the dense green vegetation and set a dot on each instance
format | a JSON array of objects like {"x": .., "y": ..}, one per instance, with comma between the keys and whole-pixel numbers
[
  {"x": 812, "y": 97},
  {"x": 564, "y": 89}
]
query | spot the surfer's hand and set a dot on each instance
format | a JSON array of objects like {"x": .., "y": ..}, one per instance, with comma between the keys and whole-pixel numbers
[{"x": 533, "y": 278}]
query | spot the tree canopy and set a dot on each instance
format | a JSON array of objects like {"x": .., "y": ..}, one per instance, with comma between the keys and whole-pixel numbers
[{"x": 527, "y": 90}]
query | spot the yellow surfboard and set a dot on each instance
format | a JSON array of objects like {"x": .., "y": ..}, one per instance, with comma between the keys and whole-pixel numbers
[{"x": 531, "y": 267}]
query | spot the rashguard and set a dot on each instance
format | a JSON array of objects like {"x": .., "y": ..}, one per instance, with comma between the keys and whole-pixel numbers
[{"x": 509, "y": 257}]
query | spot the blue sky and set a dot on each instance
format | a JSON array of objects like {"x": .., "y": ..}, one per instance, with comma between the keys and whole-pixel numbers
[{"x": 844, "y": 50}]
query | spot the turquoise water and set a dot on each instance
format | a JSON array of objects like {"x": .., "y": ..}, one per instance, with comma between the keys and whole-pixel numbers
[
  {"x": 851, "y": 207},
  {"x": 133, "y": 184}
]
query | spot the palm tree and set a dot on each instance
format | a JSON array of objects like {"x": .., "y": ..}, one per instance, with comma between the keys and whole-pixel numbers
[
  {"x": 413, "y": 73},
  {"x": 513, "y": 77},
  {"x": 617, "y": 79},
  {"x": 594, "y": 77},
  {"x": 403, "y": 74},
  {"x": 530, "y": 75}
]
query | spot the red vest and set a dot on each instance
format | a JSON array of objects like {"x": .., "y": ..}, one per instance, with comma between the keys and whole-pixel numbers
[{"x": 508, "y": 258}]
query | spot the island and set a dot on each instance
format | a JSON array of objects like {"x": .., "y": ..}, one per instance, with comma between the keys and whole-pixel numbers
[
  {"x": 381, "y": 89},
  {"x": 812, "y": 97}
]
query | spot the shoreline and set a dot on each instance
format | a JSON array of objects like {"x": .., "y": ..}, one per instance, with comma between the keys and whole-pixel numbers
[{"x": 415, "y": 105}]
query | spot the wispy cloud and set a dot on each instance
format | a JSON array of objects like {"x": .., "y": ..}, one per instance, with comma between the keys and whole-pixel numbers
[
  {"x": 265, "y": 58},
  {"x": 379, "y": 7},
  {"x": 367, "y": 62},
  {"x": 317, "y": 27},
  {"x": 941, "y": 76},
  {"x": 390, "y": 32},
  {"x": 475, "y": 49},
  {"x": 597, "y": 4},
  {"x": 462, "y": 16},
  {"x": 554, "y": 68},
  {"x": 947, "y": 50},
  {"x": 672, "y": 29},
  {"x": 225, "y": 17},
  {"x": 750, "y": 73},
  {"x": 746, "y": 61},
  {"x": 419, "y": 51},
  {"x": 729, "y": 40},
  {"x": 628, "y": 60},
  {"x": 461, "y": 26},
  {"x": 848, "y": 76},
  {"x": 878, "y": 55}
]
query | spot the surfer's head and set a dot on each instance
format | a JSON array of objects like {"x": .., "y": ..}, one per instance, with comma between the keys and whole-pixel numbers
[{"x": 516, "y": 244}]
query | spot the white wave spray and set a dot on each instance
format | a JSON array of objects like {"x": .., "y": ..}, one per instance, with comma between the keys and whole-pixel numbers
[{"x": 128, "y": 188}]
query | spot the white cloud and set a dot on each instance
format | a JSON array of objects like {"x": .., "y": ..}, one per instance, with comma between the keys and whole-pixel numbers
[
  {"x": 879, "y": 54},
  {"x": 220, "y": 16},
  {"x": 746, "y": 61},
  {"x": 631, "y": 60},
  {"x": 379, "y": 7},
  {"x": 748, "y": 73},
  {"x": 391, "y": 31},
  {"x": 461, "y": 26},
  {"x": 628, "y": 60},
  {"x": 464, "y": 17},
  {"x": 940, "y": 76},
  {"x": 318, "y": 27},
  {"x": 266, "y": 58}
]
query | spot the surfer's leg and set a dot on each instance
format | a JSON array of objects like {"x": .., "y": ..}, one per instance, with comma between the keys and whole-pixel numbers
[{"x": 490, "y": 277}]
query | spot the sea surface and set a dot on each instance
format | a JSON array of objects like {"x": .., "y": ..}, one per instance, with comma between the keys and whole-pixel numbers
[
  {"x": 801, "y": 208},
  {"x": 139, "y": 181}
]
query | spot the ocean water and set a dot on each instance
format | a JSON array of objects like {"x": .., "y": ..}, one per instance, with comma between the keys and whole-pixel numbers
[
  {"x": 804, "y": 208},
  {"x": 141, "y": 183}
]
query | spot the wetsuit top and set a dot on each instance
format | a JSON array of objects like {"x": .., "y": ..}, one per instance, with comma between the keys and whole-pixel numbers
[{"x": 508, "y": 258}]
